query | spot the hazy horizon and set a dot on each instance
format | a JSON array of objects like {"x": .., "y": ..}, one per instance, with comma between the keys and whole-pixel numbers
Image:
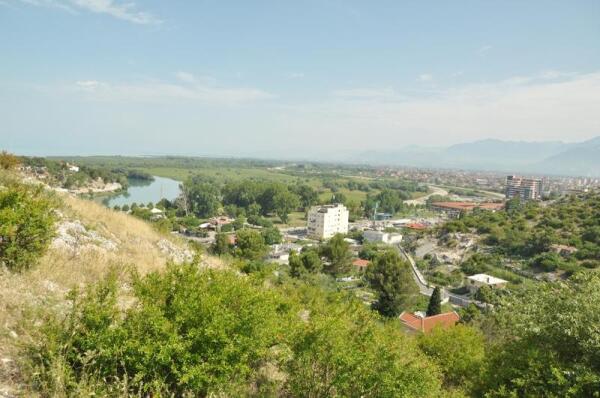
[{"x": 293, "y": 80}]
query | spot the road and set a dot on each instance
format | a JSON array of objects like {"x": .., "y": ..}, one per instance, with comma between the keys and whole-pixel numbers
[
  {"x": 426, "y": 290},
  {"x": 423, "y": 199}
]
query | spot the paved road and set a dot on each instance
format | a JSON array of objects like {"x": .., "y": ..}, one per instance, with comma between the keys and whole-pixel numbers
[
  {"x": 423, "y": 199},
  {"x": 426, "y": 290}
]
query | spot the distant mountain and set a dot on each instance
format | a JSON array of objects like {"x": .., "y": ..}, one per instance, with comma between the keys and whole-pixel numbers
[
  {"x": 581, "y": 159},
  {"x": 545, "y": 157}
]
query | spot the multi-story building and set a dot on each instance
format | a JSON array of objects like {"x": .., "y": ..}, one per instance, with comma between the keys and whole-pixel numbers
[
  {"x": 328, "y": 220},
  {"x": 523, "y": 188}
]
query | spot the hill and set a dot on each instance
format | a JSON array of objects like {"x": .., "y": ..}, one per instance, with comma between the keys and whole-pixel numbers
[
  {"x": 546, "y": 157},
  {"x": 90, "y": 241}
]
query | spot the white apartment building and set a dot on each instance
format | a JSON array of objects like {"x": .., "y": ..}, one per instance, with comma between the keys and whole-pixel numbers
[{"x": 328, "y": 220}]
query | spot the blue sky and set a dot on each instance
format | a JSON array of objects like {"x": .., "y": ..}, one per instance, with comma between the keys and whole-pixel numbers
[{"x": 293, "y": 78}]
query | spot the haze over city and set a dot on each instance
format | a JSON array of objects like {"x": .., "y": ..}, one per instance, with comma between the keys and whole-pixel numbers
[{"x": 314, "y": 79}]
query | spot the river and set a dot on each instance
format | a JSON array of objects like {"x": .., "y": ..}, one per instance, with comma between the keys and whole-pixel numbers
[{"x": 143, "y": 191}]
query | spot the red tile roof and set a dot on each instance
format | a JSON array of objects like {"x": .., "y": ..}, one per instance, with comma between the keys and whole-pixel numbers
[
  {"x": 425, "y": 325},
  {"x": 416, "y": 225},
  {"x": 359, "y": 262}
]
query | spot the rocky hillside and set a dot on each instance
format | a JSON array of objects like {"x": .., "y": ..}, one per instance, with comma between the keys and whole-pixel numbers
[{"x": 90, "y": 240}]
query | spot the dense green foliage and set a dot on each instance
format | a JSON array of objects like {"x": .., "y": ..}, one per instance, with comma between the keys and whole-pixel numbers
[
  {"x": 435, "y": 302},
  {"x": 460, "y": 353},
  {"x": 59, "y": 173},
  {"x": 546, "y": 341},
  {"x": 210, "y": 333},
  {"x": 391, "y": 279},
  {"x": 336, "y": 251},
  {"x": 533, "y": 234},
  {"x": 26, "y": 224},
  {"x": 306, "y": 262}
]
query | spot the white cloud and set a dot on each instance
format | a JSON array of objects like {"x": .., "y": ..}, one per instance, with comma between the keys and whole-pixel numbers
[
  {"x": 425, "y": 77},
  {"x": 366, "y": 93},
  {"x": 88, "y": 85},
  {"x": 538, "y": 107},
  {"x": 191, "y": 88},
  {"x": 126, "y": 11}
]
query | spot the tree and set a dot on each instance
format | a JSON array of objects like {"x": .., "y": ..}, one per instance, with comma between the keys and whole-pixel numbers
[
  {"x": 284, "y": 203},
  {"x": 266, "y": 199},
  {"x": 545, "y": 340},
  {"x": 307, "y": 194},
  {"x": 390, "y": 201},
  {"x": 338, "y": 197},
  {"x": 26, "y": 225},
  {"x": 337, "y": 252},
  {"x": 8, "y": 161},
  {"x": 306, "y": 262},
  {"x": 391, "y": 278},
  {"x": 221, "y": 244},
  {"x": 271, "y": 235},
  {"x": 239, "y": 223},
  {"x": 459, "y": 351},
  {"x": 250, "y": 244},
  {"x": 202, "y": 198},
  {"x": 435, "y": 302}
]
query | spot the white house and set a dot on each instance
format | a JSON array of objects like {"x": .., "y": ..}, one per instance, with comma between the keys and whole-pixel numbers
[
  {"x": 281, "y": 253},
  {"x": 382, "y": 237},
  {"x": 73, "y": 168},
  {"x": 474, "y": 282},
  {"x": 328, "y": 220}
]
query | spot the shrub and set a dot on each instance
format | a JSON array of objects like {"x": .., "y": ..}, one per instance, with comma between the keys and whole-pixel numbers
[{"x": 26, "y": 225}]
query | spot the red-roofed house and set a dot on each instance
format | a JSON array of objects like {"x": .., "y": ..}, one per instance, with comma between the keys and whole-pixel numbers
[
  {"x": 418, "y": 322},
  {"x": 416, "y": 225},
  {"x": 360, "y": 264}
]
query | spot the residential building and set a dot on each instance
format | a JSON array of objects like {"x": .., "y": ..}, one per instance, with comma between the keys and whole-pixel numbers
[
  {"x": 382, "y": 237},
  {"x": 280, "y": 253},
  {"x": 360, "y": 264},
  {"x": 328, "y": 220},
  {"x": 418, "y": 322},
  {"x": 523, "y": 188},
  {"x": 456, "y": 209},
  {"x": 474, "y": 282}
]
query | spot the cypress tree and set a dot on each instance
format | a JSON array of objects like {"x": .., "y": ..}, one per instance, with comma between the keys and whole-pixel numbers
[{"x": 435, "y": 303}]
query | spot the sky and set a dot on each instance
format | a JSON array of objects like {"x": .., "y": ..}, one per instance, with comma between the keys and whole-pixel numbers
[{"x": 291, "y": 79}]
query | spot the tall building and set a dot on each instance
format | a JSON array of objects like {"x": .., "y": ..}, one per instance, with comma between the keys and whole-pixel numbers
[
  {"x": 523, "y": 188},
  {"x": 328, "y": 220}
]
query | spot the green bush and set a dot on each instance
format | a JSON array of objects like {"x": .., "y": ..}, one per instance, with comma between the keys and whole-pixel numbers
[
  {"x": 214, "y": 333},
  {"x": 26, "y": 224}
]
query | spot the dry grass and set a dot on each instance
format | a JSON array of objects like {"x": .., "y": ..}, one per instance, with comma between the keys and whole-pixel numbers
[{"x": 45, "y": 285}]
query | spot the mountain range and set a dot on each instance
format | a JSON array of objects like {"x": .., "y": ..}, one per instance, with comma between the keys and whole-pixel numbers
[{"x": 544, "y": 157}]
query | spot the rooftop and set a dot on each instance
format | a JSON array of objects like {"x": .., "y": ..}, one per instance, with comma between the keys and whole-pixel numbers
[
  {"x": 425, "y": 324},
  {"x": 487, "y": 279},
  {"x": 359, "y": 262}
]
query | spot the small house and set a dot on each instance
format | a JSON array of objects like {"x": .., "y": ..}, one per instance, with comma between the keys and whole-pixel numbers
[{"x": 418, "y": 322}]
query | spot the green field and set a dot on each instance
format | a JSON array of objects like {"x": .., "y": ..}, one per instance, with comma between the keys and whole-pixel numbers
[{"x": 220, "y": 173}]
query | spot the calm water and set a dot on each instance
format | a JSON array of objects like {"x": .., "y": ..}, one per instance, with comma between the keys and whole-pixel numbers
[{"x": 142, "y": 192}]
